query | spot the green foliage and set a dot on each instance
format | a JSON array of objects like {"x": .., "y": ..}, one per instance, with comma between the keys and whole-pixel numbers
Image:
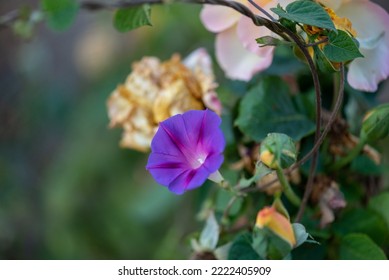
[
  {"x": 300, "y": 233},
  {"x": 306, "y": 12},
  {"x": 267, "y": 108},
  {"x": 322, "y": 61},
  {"x": 130, "y": 18},
  {"x": 242, "y": 249},
  {"x": 341, "y": 47},
  {"x": 363, "y": 221},
  {"x": 376, "y": 124},
  {"x": 269, "y": 245},
  {"x": 356, "y": 246},
  {"x": 365, "y": 166},
  {"x": 261, "y": 170},
  {"x": 60, "y": 13},
  {"x": 223, "y": 198},
  {"x": 380, "y": 204}
]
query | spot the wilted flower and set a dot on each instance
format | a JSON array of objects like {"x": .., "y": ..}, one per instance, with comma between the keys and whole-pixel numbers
[
  {"x": 186, "y": 150},
  {"x": 329, "y": 197},
  {"x": 269, "y": 217},
  {"x": 370, "y": 22},
  {"x": 237, "y": 51},
  {"x": 157, "y": 90}
]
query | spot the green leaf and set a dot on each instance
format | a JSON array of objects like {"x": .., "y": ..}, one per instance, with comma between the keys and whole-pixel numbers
[
  {"x": 127, "y": 19},
  {"x": 366, "y": 166},
  {"x": 260, "y": 242},
  {"x": 322, "y": 61},
  {"x": 375, "y": 125},
  {"x": 242, "y": 249},
  {"x": 278, "y": 248},
  {"x": 261, "y": 170},
  {"x": 222, "y": 199},
  {"x": 380, "y": 205},
  {"x": 60, "y": 13},
  {"x": 210, "y": 234},
  {"x": 357, "y": 246},
  {"x": 306, "y": 12},
  {"x": 300, "y": 233},
  {"x": 341, "y": 47},
  {"x": 267, "y": 108},
  {"x": 271, "y": 41},
  {"x": 364, "y": 221}
]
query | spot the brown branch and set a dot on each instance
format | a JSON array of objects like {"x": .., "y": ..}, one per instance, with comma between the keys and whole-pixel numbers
[
  {"x": 309, "y": 187},
  {"x": 262, "y": 10},
  {"x": 325, "y": 40}
]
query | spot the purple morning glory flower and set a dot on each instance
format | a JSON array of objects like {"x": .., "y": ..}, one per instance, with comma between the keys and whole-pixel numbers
[{"x": 186, "y": 150}]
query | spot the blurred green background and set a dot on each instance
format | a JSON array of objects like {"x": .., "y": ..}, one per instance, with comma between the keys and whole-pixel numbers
[{"x": 67, "y": 191}]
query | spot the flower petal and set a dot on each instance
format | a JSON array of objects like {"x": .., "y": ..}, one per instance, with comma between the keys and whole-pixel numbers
[
  {"x": 277, "y": 223},
  {"x": 165, "y": 168},
  {"x": 213, "y": 163},
  {"x": 205, "y": 134},
  {"x": 217, "y": 18},
  {"x": 163, "y": 143},
  {"x": 365, "y": 73},
  {"x": 188, "y": 180},
  {"x": 235, "y": 60},
  {"x": 370, "y": 21},
  {"x": 248, "y": 33}
]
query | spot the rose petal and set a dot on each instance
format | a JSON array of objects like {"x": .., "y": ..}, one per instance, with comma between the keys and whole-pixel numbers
[
  {"x": 370, "y": 21},
  {"x": 365, "y": 73},
  {"x": 235, "y": 60},
  {"x": 248, "y": 33},
  {"x": 218, "y": 18}
]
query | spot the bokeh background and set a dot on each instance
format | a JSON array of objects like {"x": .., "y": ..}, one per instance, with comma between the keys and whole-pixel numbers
[{"x": 67, "y": 191}]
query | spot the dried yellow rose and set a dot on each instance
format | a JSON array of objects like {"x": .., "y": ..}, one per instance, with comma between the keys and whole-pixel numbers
[{"x": 155, "y": 91}]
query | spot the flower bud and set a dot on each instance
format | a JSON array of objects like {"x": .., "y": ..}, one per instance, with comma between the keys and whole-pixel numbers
[
  {"x": 375, "y": 124},
  {"x": 269, "y": 218},
  {"x": 278, "y": 151}
]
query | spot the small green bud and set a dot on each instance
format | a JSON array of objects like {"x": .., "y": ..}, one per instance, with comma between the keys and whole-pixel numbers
[
  {"x": 278, "y": 151},
  {"x": 375, "y": 124}
]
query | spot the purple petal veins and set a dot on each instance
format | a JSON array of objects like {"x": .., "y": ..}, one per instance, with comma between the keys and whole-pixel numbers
[{"x": 186, "y": 149}]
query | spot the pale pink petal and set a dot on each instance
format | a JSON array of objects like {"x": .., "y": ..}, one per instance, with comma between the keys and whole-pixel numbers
[
  {"x": 370, "y": 21},
  {"x": 218, "y": 18},
  {"x": 237, "y": 62},
  {"x": 248, "y": 32},
  {"x": 367, "y": 18},
  {"x": 365, "y": 73}
]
